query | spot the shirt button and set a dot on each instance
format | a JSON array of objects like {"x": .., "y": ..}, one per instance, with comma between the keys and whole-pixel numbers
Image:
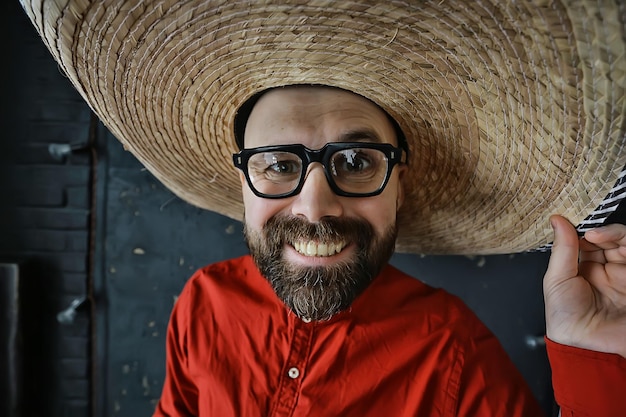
[{"x": 293, "y": 373}]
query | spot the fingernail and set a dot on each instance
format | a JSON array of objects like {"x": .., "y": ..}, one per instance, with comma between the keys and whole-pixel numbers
[{"x": 553, "y": 224}]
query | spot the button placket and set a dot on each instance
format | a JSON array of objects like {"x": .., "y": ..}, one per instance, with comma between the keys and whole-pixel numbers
[{"x": 291, "y": 379}]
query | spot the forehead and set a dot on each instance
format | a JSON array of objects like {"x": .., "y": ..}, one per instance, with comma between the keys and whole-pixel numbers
[{"x": 315, "y": 116}]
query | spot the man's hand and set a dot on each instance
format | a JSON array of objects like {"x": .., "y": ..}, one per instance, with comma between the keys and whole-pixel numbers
[{"x": 585, "y": 288}]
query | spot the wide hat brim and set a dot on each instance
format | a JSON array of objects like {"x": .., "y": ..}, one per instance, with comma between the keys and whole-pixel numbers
[{"x": 513, "y": 111}]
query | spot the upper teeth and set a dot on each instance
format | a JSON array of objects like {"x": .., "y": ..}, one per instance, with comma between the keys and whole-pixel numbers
[{"x": 318, "y": 249}]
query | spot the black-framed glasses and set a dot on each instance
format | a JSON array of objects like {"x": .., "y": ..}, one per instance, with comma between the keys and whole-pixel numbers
[{"x": 353, "y": 169}]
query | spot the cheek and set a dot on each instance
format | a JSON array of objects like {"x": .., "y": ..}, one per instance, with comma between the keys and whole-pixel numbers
[
  {"x": 379, "y": 211},
  {"x": 259, "y": 210}
]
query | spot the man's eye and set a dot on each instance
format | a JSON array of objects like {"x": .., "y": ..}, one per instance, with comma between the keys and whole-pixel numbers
[
  {"x": 274, "y": 166},
  {"x": 356, "y": 164},
  {"x": 284, "y": 167},
  {"x": 351, "y": 162}
]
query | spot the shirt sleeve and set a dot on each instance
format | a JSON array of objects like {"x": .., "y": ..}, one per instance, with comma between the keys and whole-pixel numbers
[
  {"x": 179, "y": 397},
  {"x": 587, "y": 383}
]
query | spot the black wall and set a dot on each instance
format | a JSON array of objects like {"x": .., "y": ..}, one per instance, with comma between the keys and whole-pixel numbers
[
  {"x": 95, "y": 224},
  {"x": 44, "y": 221}
]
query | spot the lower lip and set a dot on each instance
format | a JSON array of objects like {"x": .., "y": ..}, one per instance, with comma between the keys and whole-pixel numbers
[{"x": 294, "y": 256}]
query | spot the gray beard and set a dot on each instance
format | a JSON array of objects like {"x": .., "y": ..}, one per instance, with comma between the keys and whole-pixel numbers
[{"x": 318, "y": 293}]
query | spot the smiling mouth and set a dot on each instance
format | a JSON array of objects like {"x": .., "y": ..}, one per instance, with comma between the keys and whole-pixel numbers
[{"x": 311, "y": 248}]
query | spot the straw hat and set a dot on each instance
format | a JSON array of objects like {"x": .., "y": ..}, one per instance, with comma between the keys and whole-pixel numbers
[{"x": 513, "y": 110}]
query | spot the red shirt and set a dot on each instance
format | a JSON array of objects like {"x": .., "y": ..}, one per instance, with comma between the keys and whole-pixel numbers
[{"x": 402, "y": 349}]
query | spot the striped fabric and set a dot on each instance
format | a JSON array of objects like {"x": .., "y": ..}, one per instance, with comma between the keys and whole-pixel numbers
[{"x": 611, "y": 210}]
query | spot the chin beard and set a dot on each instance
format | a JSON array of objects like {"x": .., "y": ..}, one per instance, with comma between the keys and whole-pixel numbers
[{"x": 318, "y": 293}]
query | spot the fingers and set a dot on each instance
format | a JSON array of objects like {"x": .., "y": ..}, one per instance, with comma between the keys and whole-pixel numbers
[
  {"x": 563, "y": 263},
  {"x": 610, "y": 241},
  {"x": 591, "y": 253},
  {"x": 608, "y": 237}
]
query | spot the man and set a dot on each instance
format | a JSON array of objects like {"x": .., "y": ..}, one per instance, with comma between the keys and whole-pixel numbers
[
  {"x": 512, "y": 112},
  {"x": 335, "y": 330}
]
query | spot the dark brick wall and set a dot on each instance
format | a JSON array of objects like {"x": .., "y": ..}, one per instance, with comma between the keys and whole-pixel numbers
[{"x": 45, "y": 207}]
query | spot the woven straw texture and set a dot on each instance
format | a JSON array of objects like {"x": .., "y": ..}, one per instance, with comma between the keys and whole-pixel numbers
[{"x": 514, "y": 110}]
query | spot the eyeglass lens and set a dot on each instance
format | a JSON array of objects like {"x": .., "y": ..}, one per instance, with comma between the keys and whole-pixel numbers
[{"x": 353, "y": 170}]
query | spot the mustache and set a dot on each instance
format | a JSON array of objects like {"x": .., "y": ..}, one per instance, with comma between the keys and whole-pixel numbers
[{"x": 283, "y": 229}]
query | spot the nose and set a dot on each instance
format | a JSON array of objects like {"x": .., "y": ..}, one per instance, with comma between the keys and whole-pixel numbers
[{"x": 316, "y": 200}]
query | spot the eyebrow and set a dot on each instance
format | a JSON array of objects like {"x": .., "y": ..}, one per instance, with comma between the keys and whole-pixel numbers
[{"x": 361, "y": 135}]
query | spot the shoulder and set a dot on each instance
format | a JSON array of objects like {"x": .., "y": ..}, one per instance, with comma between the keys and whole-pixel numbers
[
  {"x": 227, "y": 284},
  {"x": 222, "y": 273},
  {"x": 409, "y": 290},
  {"x": 395, "y": 294},
  {"x": 236, "y": 266}
]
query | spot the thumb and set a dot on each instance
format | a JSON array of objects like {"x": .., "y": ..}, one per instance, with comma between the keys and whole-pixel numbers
[{"x": 563, "y": 263}]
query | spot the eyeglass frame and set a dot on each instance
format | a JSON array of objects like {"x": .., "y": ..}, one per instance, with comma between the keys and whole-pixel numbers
[{"x": 322, "y": 155}]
